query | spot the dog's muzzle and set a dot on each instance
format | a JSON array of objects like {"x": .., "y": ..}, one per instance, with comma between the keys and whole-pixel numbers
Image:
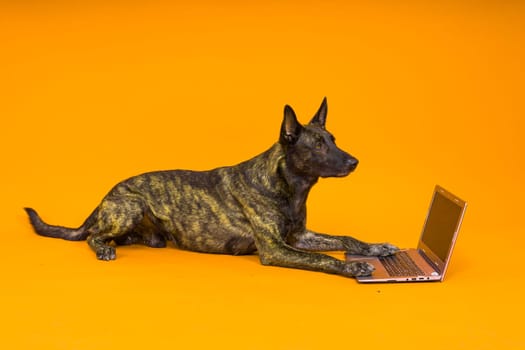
[{"x": 349, "y": 165}]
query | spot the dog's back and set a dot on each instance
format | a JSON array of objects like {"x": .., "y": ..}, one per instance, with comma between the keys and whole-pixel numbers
[{"x": 209, "y": 211}]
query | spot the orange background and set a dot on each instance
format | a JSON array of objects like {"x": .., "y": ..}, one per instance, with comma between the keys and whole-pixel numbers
[{"x": 422, "y": 93}]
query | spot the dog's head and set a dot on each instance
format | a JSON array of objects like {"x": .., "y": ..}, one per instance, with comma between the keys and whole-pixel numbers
[{"x": 310, "y": 149}]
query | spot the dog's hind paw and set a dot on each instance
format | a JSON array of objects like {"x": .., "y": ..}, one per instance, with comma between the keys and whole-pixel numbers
[
  {"x": 106, "y": 253},
  {"x": 359, "y": 268}
]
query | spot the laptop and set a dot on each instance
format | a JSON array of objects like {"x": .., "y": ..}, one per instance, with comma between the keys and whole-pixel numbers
[{"x": 429, "y": 261}]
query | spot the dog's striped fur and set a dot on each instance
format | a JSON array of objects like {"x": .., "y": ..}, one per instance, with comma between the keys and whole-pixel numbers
[{"x": 258, "y": 206}]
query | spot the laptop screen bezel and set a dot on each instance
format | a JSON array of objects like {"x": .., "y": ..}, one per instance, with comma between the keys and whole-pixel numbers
[{"x": 440, "y": 265}]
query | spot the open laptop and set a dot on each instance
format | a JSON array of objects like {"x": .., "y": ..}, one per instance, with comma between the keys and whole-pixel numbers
[{"x": 429, "y": 261}]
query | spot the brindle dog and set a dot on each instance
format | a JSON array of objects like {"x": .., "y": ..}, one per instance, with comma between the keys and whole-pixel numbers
[{"x": 258, "y": 206}]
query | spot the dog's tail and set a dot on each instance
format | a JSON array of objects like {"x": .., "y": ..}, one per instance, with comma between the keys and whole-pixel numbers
[{"x": 70, "y": 234}]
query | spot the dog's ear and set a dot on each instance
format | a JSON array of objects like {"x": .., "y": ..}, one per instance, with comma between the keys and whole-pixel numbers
[
  {"x": 320, "y": 117},
  {"x": 290, "y": 128}
]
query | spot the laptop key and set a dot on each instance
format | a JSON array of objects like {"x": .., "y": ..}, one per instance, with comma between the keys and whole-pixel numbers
[{"x": 400, "y": 264}]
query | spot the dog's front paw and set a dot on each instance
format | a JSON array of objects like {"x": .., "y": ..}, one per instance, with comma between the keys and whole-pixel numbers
[
  {"x": 359, "y": 268},
  {"x": 381, "y": 249}
]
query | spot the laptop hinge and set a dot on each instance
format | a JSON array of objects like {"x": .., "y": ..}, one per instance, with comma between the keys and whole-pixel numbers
[{"x": 428, "y": 260}]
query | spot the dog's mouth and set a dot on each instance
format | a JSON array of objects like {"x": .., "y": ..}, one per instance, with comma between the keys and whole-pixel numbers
[
  {"x": 349, "y": 169},
  {"x": 345, "y": 173},
  {"x": 343, "y": 169},
  {"x": 342, "y": 173}
]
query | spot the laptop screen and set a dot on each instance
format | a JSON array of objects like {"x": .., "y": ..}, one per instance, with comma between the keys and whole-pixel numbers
[{"x": 442, "y": 223}]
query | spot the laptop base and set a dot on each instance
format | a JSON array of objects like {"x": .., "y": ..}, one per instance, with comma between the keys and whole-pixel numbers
[{"x": 427, "y": 272}]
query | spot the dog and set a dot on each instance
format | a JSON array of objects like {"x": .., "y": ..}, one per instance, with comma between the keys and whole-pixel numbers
[{"x": 257, "y": 206}]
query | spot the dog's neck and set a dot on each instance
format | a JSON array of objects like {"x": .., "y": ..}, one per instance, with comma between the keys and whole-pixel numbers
[
  {"x": 297, "y": 185},
  {"x": 271, "y": 167}
]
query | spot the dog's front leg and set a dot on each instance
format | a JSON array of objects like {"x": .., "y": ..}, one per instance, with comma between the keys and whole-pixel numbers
[
  {"x": 313, "y": 241},
  {"x": 275, "y": 252}
]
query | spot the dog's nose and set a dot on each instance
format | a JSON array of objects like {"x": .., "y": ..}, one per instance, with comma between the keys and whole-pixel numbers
[{"x": 352, "y": 163}]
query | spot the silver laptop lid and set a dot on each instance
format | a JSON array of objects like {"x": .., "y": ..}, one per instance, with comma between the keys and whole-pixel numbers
[{"x": 441, "y": 228}]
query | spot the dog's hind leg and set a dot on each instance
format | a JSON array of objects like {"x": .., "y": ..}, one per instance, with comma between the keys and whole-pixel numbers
[
  {"x": 146, "y": 233},
  {"x": 150, "y": 238},
  {"x": 313, "y": 241},
  {"x": 116, "y": 217}
]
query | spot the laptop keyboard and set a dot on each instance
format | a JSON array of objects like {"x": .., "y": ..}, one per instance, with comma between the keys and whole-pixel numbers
[{"x": 400, "y": 264}]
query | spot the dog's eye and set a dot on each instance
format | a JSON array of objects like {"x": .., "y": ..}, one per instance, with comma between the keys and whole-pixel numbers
[{"x": 319, "y": 144}]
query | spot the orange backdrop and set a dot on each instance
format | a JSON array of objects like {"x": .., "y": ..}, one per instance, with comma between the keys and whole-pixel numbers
[{"x": 421, "y": 93}]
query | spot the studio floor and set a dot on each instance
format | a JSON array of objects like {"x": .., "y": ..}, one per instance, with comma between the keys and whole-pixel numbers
[
  {"x": 421, "y": 93},
  {"x": 56, "y": 295}
]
